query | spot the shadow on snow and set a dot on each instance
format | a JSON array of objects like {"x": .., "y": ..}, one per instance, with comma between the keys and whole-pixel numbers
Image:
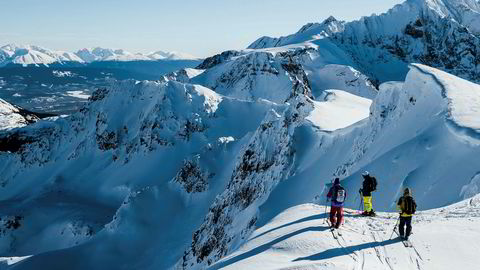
[{"x": 340, "y": 251}]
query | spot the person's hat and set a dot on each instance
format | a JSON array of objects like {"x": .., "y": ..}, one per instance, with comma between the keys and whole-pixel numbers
[{"x": 336, "y": 181}]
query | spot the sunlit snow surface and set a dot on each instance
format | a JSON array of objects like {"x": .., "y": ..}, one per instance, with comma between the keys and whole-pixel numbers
[
  {"x": 93, "y": 195},
  {"x": 299, "y": 238},
  {"x": 233, "y": 159},
  {"x": 338, "y": 110}
]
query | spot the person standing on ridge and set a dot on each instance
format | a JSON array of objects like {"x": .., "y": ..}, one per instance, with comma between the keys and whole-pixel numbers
[
  {"x": 337, "y": 194},
  {"x": 407, "y": 206},
  {"x": 369, "y": 186}
]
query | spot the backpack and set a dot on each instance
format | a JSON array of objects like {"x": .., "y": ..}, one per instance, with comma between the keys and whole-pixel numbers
[
  {"x": 370, "y": 184},
  {"x": 409, "y": 205},
  {"x": 339, "y": 194},
  {"x": 373, "y": 183}
]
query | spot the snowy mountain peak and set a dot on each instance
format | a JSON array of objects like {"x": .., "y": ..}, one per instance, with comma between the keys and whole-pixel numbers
[
  {"x": 103, "y": 54},
  {"x": 309, "y": 32},
  {"x": 329, "y": 20},
  {"x": 36, "y": 55},
  {"x": 33, "y": 55}
]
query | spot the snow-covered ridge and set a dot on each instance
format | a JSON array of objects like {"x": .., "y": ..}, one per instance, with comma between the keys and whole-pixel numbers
[
  {"x": 204, "y": 164},
  {"x": 406, "y": 140},
  {"x": 102, "y": 54},
  {"x": 12, "y": 116},
  {"x": 463, "y": 98},
  {"x": 186, "y": 152},
  {"x": 439, "y": 33},
  {"x": 134, "y": 141},
  {"x": 308, "y": 32},
  {"x": 35, "y": 55},
  {"x": 249, "y": 75}
]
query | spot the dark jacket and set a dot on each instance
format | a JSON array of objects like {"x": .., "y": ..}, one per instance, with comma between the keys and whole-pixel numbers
[{"x": 369, "y": 185}]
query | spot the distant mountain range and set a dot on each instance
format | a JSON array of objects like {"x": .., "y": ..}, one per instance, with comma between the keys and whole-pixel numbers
[{"x": 34, "y": 55}]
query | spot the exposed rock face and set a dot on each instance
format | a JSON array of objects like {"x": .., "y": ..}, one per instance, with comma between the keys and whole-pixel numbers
[
  {"x": 191, "y": 177},
  {"x": 257, "y": 75},
  {"x": 262, "y": 164},
  {"x": 442, "y": 34},
  {"x": 218, "y": 59}
]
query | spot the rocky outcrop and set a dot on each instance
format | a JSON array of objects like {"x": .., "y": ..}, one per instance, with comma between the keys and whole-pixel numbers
[
  {"x": 191, "y": 177},
  {"x": 262, "y": 164}
]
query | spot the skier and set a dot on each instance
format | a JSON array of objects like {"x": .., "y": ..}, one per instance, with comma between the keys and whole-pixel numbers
[
  {"x": 369, "y": 185},
  {"x": 337, "y": 194},
  {"x": 406, "y": 204}
]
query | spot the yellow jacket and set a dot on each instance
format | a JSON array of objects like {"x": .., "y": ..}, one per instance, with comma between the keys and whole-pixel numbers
[{"x": 401, "y": 207}]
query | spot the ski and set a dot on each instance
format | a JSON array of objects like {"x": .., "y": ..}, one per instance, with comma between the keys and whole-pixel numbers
[
  {"x": 407, "y": 243},
  {"x": 333, "y": 233},
  {"x": 339, "y": 232}
]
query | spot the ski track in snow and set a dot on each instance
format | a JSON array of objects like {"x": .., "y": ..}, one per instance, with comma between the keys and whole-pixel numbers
[{"x": 365, "y": 242}]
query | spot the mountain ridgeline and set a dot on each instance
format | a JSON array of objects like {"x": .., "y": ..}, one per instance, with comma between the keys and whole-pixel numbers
[{"x": 439, "y": 33}]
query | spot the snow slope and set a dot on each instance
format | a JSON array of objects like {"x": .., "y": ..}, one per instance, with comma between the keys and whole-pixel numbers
[
  {"x": 34, "y": 55},
  {"x": 299, "y": 238},
  {"x": 219, "y": 165},
  {"x": 103, "y": 54},
  {"x": 338, "y": 109},
  {"x": 102, "y": 181},
  {"x": 254, "y": 75},
  {"x": 309, "y": 32},
  {"x": 408, "y": 140},
  {"x": 438, "y": 33},
  {"x": 13, "y": 117},
  {"x": 106, "y": 177}
]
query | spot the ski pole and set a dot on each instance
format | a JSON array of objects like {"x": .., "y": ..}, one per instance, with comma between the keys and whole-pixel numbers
[
  {"x": 361, "y": 201},
  {"x": 396, "y": 224},
  {"x": 326, "y": 216}
]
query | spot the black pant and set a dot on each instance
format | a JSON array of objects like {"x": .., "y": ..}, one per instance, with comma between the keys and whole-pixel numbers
[{"x": 405, "y": 221}]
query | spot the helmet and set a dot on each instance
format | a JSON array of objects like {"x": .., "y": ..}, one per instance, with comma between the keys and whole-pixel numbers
[
  {"x": 336, "y": 181},
  {"x": 365, "y": 173},
  {"x": 407, "y": 191}
]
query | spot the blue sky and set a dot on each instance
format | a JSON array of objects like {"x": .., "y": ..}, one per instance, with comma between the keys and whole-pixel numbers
[{"x": 201, "y": 28}]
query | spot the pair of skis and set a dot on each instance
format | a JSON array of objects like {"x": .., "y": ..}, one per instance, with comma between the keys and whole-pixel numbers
[
  {"x": 335, "y": 233},
  {"x": 407, "y": 243}
]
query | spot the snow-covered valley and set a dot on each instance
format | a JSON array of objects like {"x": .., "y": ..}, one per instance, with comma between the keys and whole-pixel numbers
[{"x": 225, "y": 164}]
